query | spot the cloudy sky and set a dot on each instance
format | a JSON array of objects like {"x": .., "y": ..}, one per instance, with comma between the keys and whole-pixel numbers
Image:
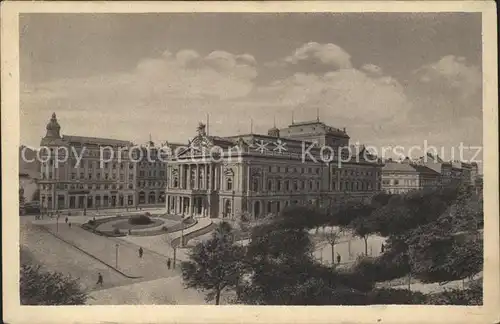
[{"x": 390, "y": 79}]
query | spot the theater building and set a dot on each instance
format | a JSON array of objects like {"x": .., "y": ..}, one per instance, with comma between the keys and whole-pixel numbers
[{"x": 225, "y": 177}]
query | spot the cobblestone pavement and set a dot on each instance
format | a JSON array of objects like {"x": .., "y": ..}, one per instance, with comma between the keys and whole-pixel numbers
[{"x": 150, "y": 266}]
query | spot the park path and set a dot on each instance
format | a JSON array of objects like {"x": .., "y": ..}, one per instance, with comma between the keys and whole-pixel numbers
[
  {"x": 161, "y": 244},
  {"x": 164, "y": 291},
  {"x": 150, "y": 266}
]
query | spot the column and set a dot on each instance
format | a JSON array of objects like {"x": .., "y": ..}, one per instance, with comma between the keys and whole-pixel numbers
[
  {"x": 216, "y": 178},
  {"x": 191, "y": 206},
  {"x": 210, "y": 176},
  {"x": 197, "y": 177},
  {"x": 249, "y": 178},
  {"x": 188, "y": 176},
  {"x": 206, "y": 179},
  {"x": 181, "y": 176}
]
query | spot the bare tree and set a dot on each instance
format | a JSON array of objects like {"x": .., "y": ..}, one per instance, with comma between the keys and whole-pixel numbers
[{"x": 332, "y": 237}]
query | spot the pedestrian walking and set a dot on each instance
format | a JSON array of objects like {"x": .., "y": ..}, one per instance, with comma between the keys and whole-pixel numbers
[
  {"x": 338, "y": 258},
  {"x": 66, "y": 220},
  {"x": 169, "y": 263},
  {"x": 69, "y": 224},
  {"x": 99, "y": 279},
  {"x": 141, "y": 251}
]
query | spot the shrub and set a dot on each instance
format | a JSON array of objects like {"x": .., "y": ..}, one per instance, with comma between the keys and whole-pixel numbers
[
  {"x": 38, "y": 287},
  {"x": 140, "y": 220},
  {"x": 164, "y": 228},
  {"x": 387, "y": 296},
  {"x": 91, "y": 222},
  {"x": 116, "y": 231}
]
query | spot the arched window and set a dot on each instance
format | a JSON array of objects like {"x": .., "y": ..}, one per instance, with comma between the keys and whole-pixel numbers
[
  {"x": 269, "y": 207},
  {"x": 279, "y": 185},
  {"x": 229, "y": 184},
  {"x": 152, "y": 198},
  {"x": 269, "y": 185}
]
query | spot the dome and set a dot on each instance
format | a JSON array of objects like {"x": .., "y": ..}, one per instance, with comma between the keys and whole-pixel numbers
[{"x": 275, "y": 132}]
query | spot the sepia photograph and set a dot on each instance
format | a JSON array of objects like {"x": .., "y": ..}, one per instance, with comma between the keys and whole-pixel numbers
[{"x": 246, "y": 158}]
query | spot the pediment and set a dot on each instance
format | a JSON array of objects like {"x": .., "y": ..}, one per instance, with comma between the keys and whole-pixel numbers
[{"x": 197, "y": 146}]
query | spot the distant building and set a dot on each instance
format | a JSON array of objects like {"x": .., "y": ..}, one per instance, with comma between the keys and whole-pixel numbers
[
  {"x": 452, "y": 172},
  {"x": 256, "y": 179},
  {"x": 402, "y": 177}
]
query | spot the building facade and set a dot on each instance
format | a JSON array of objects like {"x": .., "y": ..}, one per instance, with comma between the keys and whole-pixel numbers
[
  {"x": 124, "y": 178},
  {"x": 402, "y": 177},
  {"x": 89, "y": 182},
  {"x": 262, "y": 174}
]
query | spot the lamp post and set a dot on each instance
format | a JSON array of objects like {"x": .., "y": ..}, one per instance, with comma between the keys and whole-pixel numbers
[
  {"x": 116, "y": 256},
  {"x": 182, "y": 232},
  {"x": 175, "y": 255},
  {"x": 57, "y": 222}
]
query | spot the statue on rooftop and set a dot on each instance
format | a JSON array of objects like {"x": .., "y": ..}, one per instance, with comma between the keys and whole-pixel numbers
[{"x": 201, "y": 129}]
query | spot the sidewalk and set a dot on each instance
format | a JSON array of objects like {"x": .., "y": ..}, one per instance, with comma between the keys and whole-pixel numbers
[{"x": 150, "y": 266}]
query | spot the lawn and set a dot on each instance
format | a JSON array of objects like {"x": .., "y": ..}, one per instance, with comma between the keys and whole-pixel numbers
[{"x": 124, "y": 224}]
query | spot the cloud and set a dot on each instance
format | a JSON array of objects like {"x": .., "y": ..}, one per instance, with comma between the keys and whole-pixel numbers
[
  {"x": 448, "y": 88},
  {"x": 328, "y": 54},
  {"x": 453, "y": 72},
  {"x": 372, "y": 69},
  {"x": 346, "y": 94}
]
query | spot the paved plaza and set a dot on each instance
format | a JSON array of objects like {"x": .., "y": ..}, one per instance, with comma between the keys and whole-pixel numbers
[{"x": 82, "y": 254}]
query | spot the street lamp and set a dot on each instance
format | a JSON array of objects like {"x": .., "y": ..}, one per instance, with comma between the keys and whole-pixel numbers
[{"x": 116, "y": 256}]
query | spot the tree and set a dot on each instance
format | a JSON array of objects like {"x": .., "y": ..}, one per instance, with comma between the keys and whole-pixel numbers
[
  {"x": 36, "y": 195},
  {"x": 214, "y": 265},
  {"x": 362, "y": 225},
  {"x": 39, "y": 287},
  {"x": 332, "y": 237}
]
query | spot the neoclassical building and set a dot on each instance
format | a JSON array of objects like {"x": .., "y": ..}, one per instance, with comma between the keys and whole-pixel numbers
[{"x": 261, "y": 174}]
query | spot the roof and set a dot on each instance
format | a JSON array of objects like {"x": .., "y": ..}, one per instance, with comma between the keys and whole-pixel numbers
[
  {"x": 407, "y": 167},
  {"x": 96, "y": 140},
  {"x": 397, "y": 167},
  {"x": 285, "y": 139},
  {"x": 424, "y": 169}
]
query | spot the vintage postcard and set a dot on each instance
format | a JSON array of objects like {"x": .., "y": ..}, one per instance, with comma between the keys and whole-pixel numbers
[{"x": 212, "y": 162}]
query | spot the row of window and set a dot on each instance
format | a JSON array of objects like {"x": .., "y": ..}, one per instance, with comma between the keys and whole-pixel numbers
[
  {"x": 148, "y": 184},
  {"x": 280, "y": 185},
  {"x": 87, "y": 186},
  {"x": 302, "y": 170},
  {"x": 356, "y": 173},
  {"x": 105, "y": 176},
  {"x": 152, "y": 173},
  {"x": 354, "y": 186},
  {"x": 396, "y": 182}
]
